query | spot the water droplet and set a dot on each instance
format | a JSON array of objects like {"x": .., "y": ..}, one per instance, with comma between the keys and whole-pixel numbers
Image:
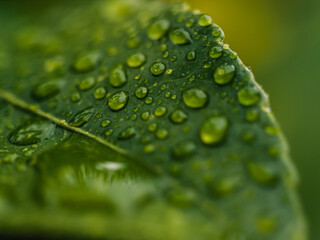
[
  {"x": 32, "y": 133},
  {"x": 127, "y": 133},
  {"x": 216, "y": 52},
  {"x": 222, "y": 187},
  {"x": 157, "y": 68},
  {"x": 233, "y": 55},
  {"x": 216, "y": 32},
  {"x": 162, "y": 133},
  {"x": 184, "y": 149},
  {"x": 180, "y": 36},
  {"x": 109, "y": 132},
  {"x": 118, "y": 100},
  {"x": 262, "y": 173},
  {"x": 178, "y": 116},
  {"x": 248, "y": 96},
  {"x": 195, "y": 97},
  {"x": 248, "y": 136},
  {"x": 136, "y": 60},
  {"x": 149, "y": 100},
  {"x": 105, "y": 123},
  {"x": 100, "y": 93},
  {"x": 10, "y": 158},
  {"x": 87, "y": 62},
  {"x": 150, "y": 148},
  {"x": 48, "y": 89},
  {"x": 82, "y": 117},
  {"x": 141, "y": 92},
  {"x": 118, "y": 76},
  {"x": 158, "y": 29},
  {"x": 145, "y": 115},
  {"x": 204, "y": 20},
  {"x": 134, "y": 42},
  {"x": 75, "y": 97},
  {"x": 224, "y": 74},
  {"x": 214, "y": 130},
  {"x": 191, "y": 55},
  {"x": 160, "y": 111},
  {"x": 272, "y": 130},
  {"x": 54, "y": 65},
  {"x": 86, "y": 83},
  {"x": 152, "y": 127},
  {"x": 252, "y": 115}
]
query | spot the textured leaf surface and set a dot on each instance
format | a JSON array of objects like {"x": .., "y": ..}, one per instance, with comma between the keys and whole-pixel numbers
[{"x": 133, "y": 120}]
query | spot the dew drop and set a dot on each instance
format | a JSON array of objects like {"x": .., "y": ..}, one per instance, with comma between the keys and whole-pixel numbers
[
  {"x": 180, "y": 36},
  {"x": 105, "y": 123},
  {"x": 184, "y": 149},
  {"x": 214, "y": 130},
  {"x": 152, "y": 127},
  {"x": 162, "y": 133},
  {"x": 204, "y": 20},
  {"x": 145, "y": 115},
  {"x": 262, "y": 174},
  {"x": 118, "y": 100},
  {"x": 224, "y": 74},
  {"x": 82, "y": 117},
  {"x": 191, "y": 55},
  {"x": 47, "y": 89},
  {"x": 216, "y": 52},
  {"x": 149, "y": 100},
  {"x": 157, "y": 68},
  {"x": 136, "y": 60},
  {"x": 127, "y": 133},
  {"x": 252, "y": 115},
  {"x": 118, "y": 76},
  {"x": 75, "y": 97},
  {"x": 160, "y": 111},
  {"x": 141, "y": 92},
  {"x": 158, "y": 29},
  {"x": 87, "y": 62},
  {"x": 100, "y": 93},
  {"x": 32, "y": 133},
  {"x": 86, "y": 83},
  {"x": 248, "y": 96},
  {"x": 178, "y": 116},
  {"x": 195, "y": 97}
]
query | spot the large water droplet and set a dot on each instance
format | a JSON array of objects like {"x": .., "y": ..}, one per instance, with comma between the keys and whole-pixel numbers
[
  {"x": 87, "y": 62},
  {"x": 141, "y": 92},
  {"x": 158, "y": 29},
  {"x": 118, "y": 100},
  {"x": 82, "y": 117},
  {"x": 214, "y": 130},
  {"x": 224, "y": 74},
  {"x": 195, "y": 97},
  {"x": 136, "y": 60},
  {"x": 204, "y": 20},
  {"x": 178, "y": 116},
  {"x": 48, "y": 89},
  {"x": 127, "y": 133},
  {"x": 86, "y": 83},
  {"x": 118, "y": 76},
  {"x": 184, "y": 149},
  {"x": 180, "y": 36},
  {"x": 262, "y": 173},
  {"x": 32, "y": 133},
  {"x": 248, "y": 96},
  {"x": 157, "y": 68}
]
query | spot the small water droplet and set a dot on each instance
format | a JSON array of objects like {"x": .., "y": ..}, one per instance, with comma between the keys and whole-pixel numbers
[
  {"x": 158, "y": 29},
  {"x": 216, "y": 52},
  {"x": 195, "y": 97},
  {"x": 32, "y": 133},
  {"x": 272, "y": 130},
  {"x": 105, "y": 123},
  {"x": 127, "y": 133},
  {"x": 160, "y": 111},
  {"x": 204, "y": 20},
  {"x": 82, "y": 117},
  {"x": 224, "y": 74},
  {"x": 118, "y": 100},
  {"x": 141, "y": 92},
  {"x": 118, "y": 76},
  {"x": 178, "y": 116},
  {"x": 100, "y": 93},
  {"x": 162, "y": 133},
  {"x": 109, "y": 132},
  {"x": 214, "y": 130},
  {"x": 47, "y": 89},
  {"x": 149, "y": 100},
  {"x": 191, "y": 55},
  {"x": 248, "y": 96},
  {"x": 180, "y": 36},
  {"x": 75, "y": 97},
  {"x": 152, "y": 127},
  {"x": 150, "y": 148},
  {"x": 184, "y": 149},
  {"x": 261, "y": 173},
  {"x": 145, "y": 115},
  {"x": 252, "y": 115},
  {"x": 86, "y": 83},
  {"x": 157, "y": 68},
  {"x": 223, "y": 186},
  {"x": 87, "y": 62},
  {"x": 136, "y": 60},
  {"x": 216, "y": 32}
]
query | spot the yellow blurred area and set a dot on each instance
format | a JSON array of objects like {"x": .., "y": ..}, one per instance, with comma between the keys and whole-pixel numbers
[{"x": 251, "y": 27}]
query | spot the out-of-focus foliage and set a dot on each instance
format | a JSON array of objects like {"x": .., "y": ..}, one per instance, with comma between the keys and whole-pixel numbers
[{"x": 290, "y": 74}]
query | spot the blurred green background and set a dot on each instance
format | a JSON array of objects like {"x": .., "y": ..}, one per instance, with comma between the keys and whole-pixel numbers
[{"x": 280, "y": 40}]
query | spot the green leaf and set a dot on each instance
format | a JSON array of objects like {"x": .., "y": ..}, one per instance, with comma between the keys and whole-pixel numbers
[{"x": 133, "y": 120}]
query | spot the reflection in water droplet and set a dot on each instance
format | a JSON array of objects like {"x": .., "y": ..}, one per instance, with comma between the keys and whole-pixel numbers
[
  {"x": 118, "y": 100},
  {"x": 195, "y": 97},
  {"x": 157, "y": 68},
  {"x": 224, "y": 74},
  {"x": 82, "y": 117},
  {"x": 248, "y": 96},
  {"x": 180, "y": 36},
  {"x": 31, "y": 133},
  {"x": 178, "y": 116},
  {"x": 136, "y": 60},
  {"x": 118, "y": 76},
  {"x": 214, "y": 130},
  {"x": 158, "y": 29}
]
